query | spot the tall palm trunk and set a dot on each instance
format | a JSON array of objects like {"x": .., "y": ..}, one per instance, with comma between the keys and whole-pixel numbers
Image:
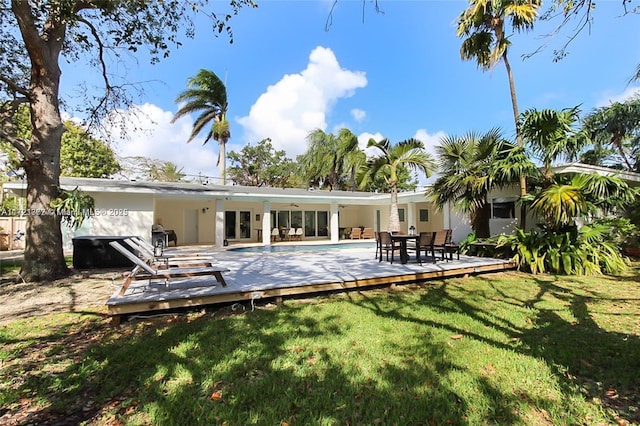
[
  {"x": 394, "y": 217},
  {"x": 222, "y": 160},
  {"x": 520, "y": 141},
  {"x": 616, "y": 141}
]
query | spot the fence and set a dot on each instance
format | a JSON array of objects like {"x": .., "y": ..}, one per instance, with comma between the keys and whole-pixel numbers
[{"x": 12, "y": 231}]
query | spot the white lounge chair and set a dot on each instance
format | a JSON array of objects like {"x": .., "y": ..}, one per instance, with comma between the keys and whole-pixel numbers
[
  {"x": 167, "y": 274},
  {"x": 167, "y": 261}
]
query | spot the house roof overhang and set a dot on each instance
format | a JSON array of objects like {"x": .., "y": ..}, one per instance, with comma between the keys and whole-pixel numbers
[
  {"x": 180, "y": 190},
  {"x": 631, "y": 178}
]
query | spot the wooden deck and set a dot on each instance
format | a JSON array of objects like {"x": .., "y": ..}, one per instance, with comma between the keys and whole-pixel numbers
[{"x": 269, "y": 275}]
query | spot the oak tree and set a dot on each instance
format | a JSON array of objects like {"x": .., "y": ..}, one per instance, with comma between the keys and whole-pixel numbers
[{"x": 34, "y": 38}]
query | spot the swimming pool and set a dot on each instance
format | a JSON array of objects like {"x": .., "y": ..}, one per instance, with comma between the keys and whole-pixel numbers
[{"x": 302, "y": 248}]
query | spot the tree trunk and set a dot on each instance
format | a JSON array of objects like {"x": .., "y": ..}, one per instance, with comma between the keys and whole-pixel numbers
[
  {"x": 616, "y": 141},
  {"x": 516, "y": 119},
  {"x": 43, "y": 255},
  {"x": 222, "y": 158},
  {"x": 394, "y": 218},
  {"x": 480, "y": 221}
]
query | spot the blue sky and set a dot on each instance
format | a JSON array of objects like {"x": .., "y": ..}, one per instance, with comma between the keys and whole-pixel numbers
[{"x": 398, "y": 74}]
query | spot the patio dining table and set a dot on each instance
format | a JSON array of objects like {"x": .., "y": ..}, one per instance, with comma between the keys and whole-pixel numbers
[{"x": 402, "y": 239}]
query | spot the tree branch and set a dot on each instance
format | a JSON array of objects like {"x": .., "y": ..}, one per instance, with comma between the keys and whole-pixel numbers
[
  {"x": 98, "y": 41},
  {"x": 15, "y": 87},
  {"x": 7, "y": 129}
]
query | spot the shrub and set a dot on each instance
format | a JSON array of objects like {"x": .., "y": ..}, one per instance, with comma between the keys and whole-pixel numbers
[{"x": 566, "y": 251}]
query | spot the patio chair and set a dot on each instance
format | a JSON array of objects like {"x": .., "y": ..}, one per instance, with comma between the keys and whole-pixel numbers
[
  {"x": 450, "y": 247},
  {"x": 423, "y": 243},
  {"x": 299, "y": 234},
  {"x": 275, "y": 234},
  {"x": 145, "y": 245},
  {"x": 438, "y": 244},
  {"x": 167, "y": 261},
  {"x": 387, "y": 244},
  {"x": 291, "y": 234},
  {"x": 367, "y": 233},
  {"x": 151, "y": 272},
  {"x": 356, "y": 234}
]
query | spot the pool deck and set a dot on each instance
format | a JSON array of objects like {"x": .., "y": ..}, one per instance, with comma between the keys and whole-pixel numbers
[{"x": 275, "y": 275}]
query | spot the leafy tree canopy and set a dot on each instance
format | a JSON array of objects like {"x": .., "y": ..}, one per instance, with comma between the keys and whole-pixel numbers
[
  {"x": 34, "y": 37},
  {"x": 261, "y": 165},
  {"x": 82, "y": 155},
  {"x": 615, "y": 133}
]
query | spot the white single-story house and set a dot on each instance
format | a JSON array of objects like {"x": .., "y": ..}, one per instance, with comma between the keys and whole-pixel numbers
[{"x": 213, "y": 214}]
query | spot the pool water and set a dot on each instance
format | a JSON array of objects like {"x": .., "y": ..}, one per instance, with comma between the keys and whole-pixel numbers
[{"x": 302, "y": 248}]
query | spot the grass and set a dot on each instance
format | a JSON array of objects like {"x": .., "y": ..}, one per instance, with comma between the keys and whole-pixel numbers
[
  {"x": 12, "y": 266},
  {"x": 496, "y": 349}
]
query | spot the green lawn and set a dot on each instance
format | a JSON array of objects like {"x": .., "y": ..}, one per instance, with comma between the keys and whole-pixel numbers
[
  {"x": 495, "y": 349},
  {"x": 12, "y": 266}
]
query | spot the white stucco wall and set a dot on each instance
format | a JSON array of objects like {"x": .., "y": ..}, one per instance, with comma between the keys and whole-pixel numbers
[
  {"x": 116, "y": 214},
  {"x": 179, "y": 215}
]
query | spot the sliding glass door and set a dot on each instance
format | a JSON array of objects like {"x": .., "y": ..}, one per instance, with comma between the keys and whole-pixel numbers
[{"x": 237, "y": 225}]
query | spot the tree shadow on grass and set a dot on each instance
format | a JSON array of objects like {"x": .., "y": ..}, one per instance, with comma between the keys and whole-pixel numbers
[
  {"x": 273, "y": 366},
  {"x": 588, "y": 361},
  {"x": 266, "y": 367},
  {"x": 596, "y": 363}
]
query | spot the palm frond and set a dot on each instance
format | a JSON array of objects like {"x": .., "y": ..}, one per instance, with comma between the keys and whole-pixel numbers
[{"x": 559, "y": 204}]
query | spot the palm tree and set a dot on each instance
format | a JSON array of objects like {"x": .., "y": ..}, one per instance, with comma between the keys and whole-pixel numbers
[
  {"x": 169, "y": 172},
  {"x": 552, "y": 135},
  {"x": 473, "y": 165},
  {"x": 330, "y": 160},
  {"x": 617, "y": 125},
  {"x": 207, "y": 95},
  {"x": 483, "y": 26},
  {"x": 569, "y": 197},
  {"x": 409, "y": 153}
]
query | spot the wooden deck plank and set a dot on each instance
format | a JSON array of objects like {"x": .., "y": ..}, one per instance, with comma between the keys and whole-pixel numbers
[{"x": 271, "y": 276}]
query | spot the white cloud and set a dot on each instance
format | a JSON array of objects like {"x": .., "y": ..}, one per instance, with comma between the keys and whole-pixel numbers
[
  {"x": 430, "y": 141},
  {"x": 363, "y": 140},
  {"x": 607, "y": 99},
  {"x": 358, "y": 114},
  {"x": 298, "y": 103},
  {"x": 146, "y": 130}
]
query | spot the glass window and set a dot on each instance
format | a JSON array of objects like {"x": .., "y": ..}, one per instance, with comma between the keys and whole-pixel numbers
[
  {"x": 503, "y": 209},
  {"x": 283, "y": 218},
  {"x": 245, "y": 224},
  {"x": 230, "y": 224},
  {"x": 323, "y": 224},
  {"x": 401, "y": 214},
  {"x": 310, "y": 224},
  {"x": 296, "y": 219},
  {"x": 424, "y": 215}
]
